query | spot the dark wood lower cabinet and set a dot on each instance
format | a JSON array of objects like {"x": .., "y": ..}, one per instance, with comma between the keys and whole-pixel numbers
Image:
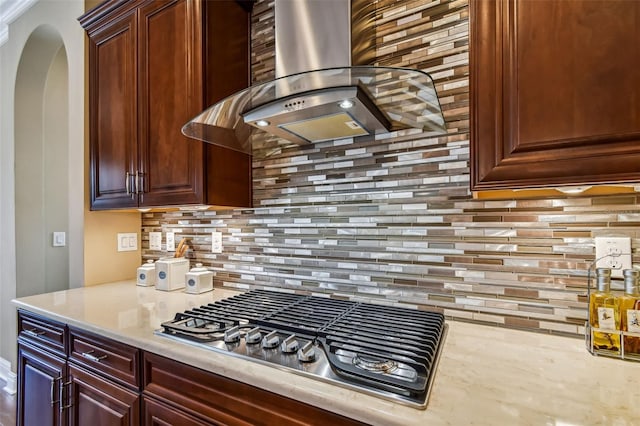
[
  {"x": 40, "y": 375},
  {"x": 97, "y": 401},
  {"x": 218, "y": 400},
  {"x": 75, "y": 377}
]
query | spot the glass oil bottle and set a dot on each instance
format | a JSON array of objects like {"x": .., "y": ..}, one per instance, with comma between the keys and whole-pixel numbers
[
  {"x": 604, "y": 314},
  {"x": 630, "y": 314}
]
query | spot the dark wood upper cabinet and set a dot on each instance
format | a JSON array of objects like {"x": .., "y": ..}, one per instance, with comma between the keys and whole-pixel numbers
[
  {"x": 154, "y": 65},
  {"x": 555, "y": 98}
]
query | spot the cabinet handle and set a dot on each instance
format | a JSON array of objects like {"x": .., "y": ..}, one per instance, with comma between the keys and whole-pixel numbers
[
  {"x": 34, "y": 333},
  {"x": 88, "y": 355},
  {"x": 62, "y": 399},
  {"x": 126, "y": 183},
  {"x": 140, "y": 185},
  {"x": 53, "y": 384}
]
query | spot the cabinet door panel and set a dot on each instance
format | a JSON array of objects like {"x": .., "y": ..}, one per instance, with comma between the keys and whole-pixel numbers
[
  {"x": 96, "y": 400},
  {"x": 554, "y": 93},
  {"x": 39, "y": 376},
  {"x": 170, "y": 51},
  {"x": 113, "y": 112},
  {"x": 586, "y": 85}
]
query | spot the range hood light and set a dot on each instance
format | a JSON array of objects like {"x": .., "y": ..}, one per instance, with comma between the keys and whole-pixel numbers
[
  {"x": 346, "y": 104},
  {"x": 262, "y": 123}
]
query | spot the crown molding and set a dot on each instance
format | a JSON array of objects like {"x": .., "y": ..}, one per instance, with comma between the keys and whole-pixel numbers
[{"x": 10, "y": 10}]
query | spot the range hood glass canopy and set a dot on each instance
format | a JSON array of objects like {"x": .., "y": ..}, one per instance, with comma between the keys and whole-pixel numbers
[{"x": 320, "y": 105}]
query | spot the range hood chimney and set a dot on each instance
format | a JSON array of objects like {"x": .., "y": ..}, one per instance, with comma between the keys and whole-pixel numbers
[{"x": 318, "y": 94}]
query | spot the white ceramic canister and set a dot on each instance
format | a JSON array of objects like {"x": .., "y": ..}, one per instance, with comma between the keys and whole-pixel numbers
[
  {"x": 147, "y": 274},
  {"x": 170, "y": 272},
  {"x": 199, "y": 280}
]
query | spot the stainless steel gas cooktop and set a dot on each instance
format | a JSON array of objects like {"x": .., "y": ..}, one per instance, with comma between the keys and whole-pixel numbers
[{"x": 385, "y": 351}]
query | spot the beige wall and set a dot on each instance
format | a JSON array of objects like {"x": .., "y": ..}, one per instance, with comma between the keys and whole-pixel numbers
[{"x": 102, "y": 262}]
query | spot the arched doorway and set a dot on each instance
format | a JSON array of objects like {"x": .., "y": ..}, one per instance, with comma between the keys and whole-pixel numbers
[{"x": 41, "y": 163}]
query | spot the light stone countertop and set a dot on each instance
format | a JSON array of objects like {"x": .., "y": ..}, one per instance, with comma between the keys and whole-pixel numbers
[{"x": 486, "y": 375}]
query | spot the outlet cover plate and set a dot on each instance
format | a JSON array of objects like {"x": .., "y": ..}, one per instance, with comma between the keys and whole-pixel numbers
[
  {"x": 171, "y": 241},
  {"x": 613, "y": 253},
  {"x": 155, "y": 240},
  {"x": 216, "y": 242},
  {"x": 127, "y": 241}
]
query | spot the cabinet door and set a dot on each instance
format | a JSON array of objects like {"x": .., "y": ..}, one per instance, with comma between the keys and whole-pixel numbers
[
  {"x": 555, "y": 97},
  {"x": 170, "y": 78},
  {"x": 39, "y": 384},
  {"x": 113, "y": 113},
  {"x": 95, "y": 400}
]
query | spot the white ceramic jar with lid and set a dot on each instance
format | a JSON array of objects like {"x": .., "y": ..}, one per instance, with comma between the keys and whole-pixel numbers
[
  {"x": 199, "y": 280},
  {"x": 147, "y": 274},
  {"x": 170, "y": 273}
]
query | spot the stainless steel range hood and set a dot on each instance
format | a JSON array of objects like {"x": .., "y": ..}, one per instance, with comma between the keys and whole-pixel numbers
[{"x": 318, "y": 95}]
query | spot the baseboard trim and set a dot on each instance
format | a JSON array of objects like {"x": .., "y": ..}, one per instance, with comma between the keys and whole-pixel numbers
[{"x": 8, "y": 376}]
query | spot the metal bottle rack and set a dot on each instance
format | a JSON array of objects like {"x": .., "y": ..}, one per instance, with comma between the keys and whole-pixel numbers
[{"x": 589, "y": 332}]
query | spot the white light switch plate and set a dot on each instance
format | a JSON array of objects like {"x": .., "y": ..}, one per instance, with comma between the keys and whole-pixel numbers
[
  {"x": 59, "y": 239},
  {"x": 155, "y": 240},
  {"x": 613, "y": 253},
  {"x": 216, "y": 242},
  {"x": 127, "y": 241},
  {"x": 171, "y": 241}
]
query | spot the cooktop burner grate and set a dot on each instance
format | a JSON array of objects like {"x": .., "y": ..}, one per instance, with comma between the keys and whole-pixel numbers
[{"x": 390, "y": 350}]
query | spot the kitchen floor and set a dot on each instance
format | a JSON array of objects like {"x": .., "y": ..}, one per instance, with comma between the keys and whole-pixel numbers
[{"x": 7, "y": 407}]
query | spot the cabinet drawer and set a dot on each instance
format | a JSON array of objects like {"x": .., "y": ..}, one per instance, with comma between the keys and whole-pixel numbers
[
  {"x": 113, "y": 360},
  {"x": 42, "y": 332}
]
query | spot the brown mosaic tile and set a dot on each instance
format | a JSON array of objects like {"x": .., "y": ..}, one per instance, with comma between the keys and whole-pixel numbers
[
  {"x": 627, "y": 224},
  {"x": 441, "y": 298},
  {"x": 606, "y": 201},
  {"x": 516, "y": 322},
  {"x": 478, "y": 261}
]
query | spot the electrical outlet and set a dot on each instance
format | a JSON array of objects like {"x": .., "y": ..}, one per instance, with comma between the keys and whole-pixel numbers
[
  {"x": 613, "y": 253},
  {"x": 155, "y": 240},
  {"x": 216, "y": 242},
  {"x": 171, "y": 241}
]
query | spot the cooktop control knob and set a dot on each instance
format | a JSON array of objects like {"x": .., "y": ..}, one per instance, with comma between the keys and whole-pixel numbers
[
  {"x": 289, "y": 345},
  {"x": 271, "y": 340},
  {"x": 232, "y": 335},
  {"x": 253, "y": 336},
  {"x": 307, "y": 353}
]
